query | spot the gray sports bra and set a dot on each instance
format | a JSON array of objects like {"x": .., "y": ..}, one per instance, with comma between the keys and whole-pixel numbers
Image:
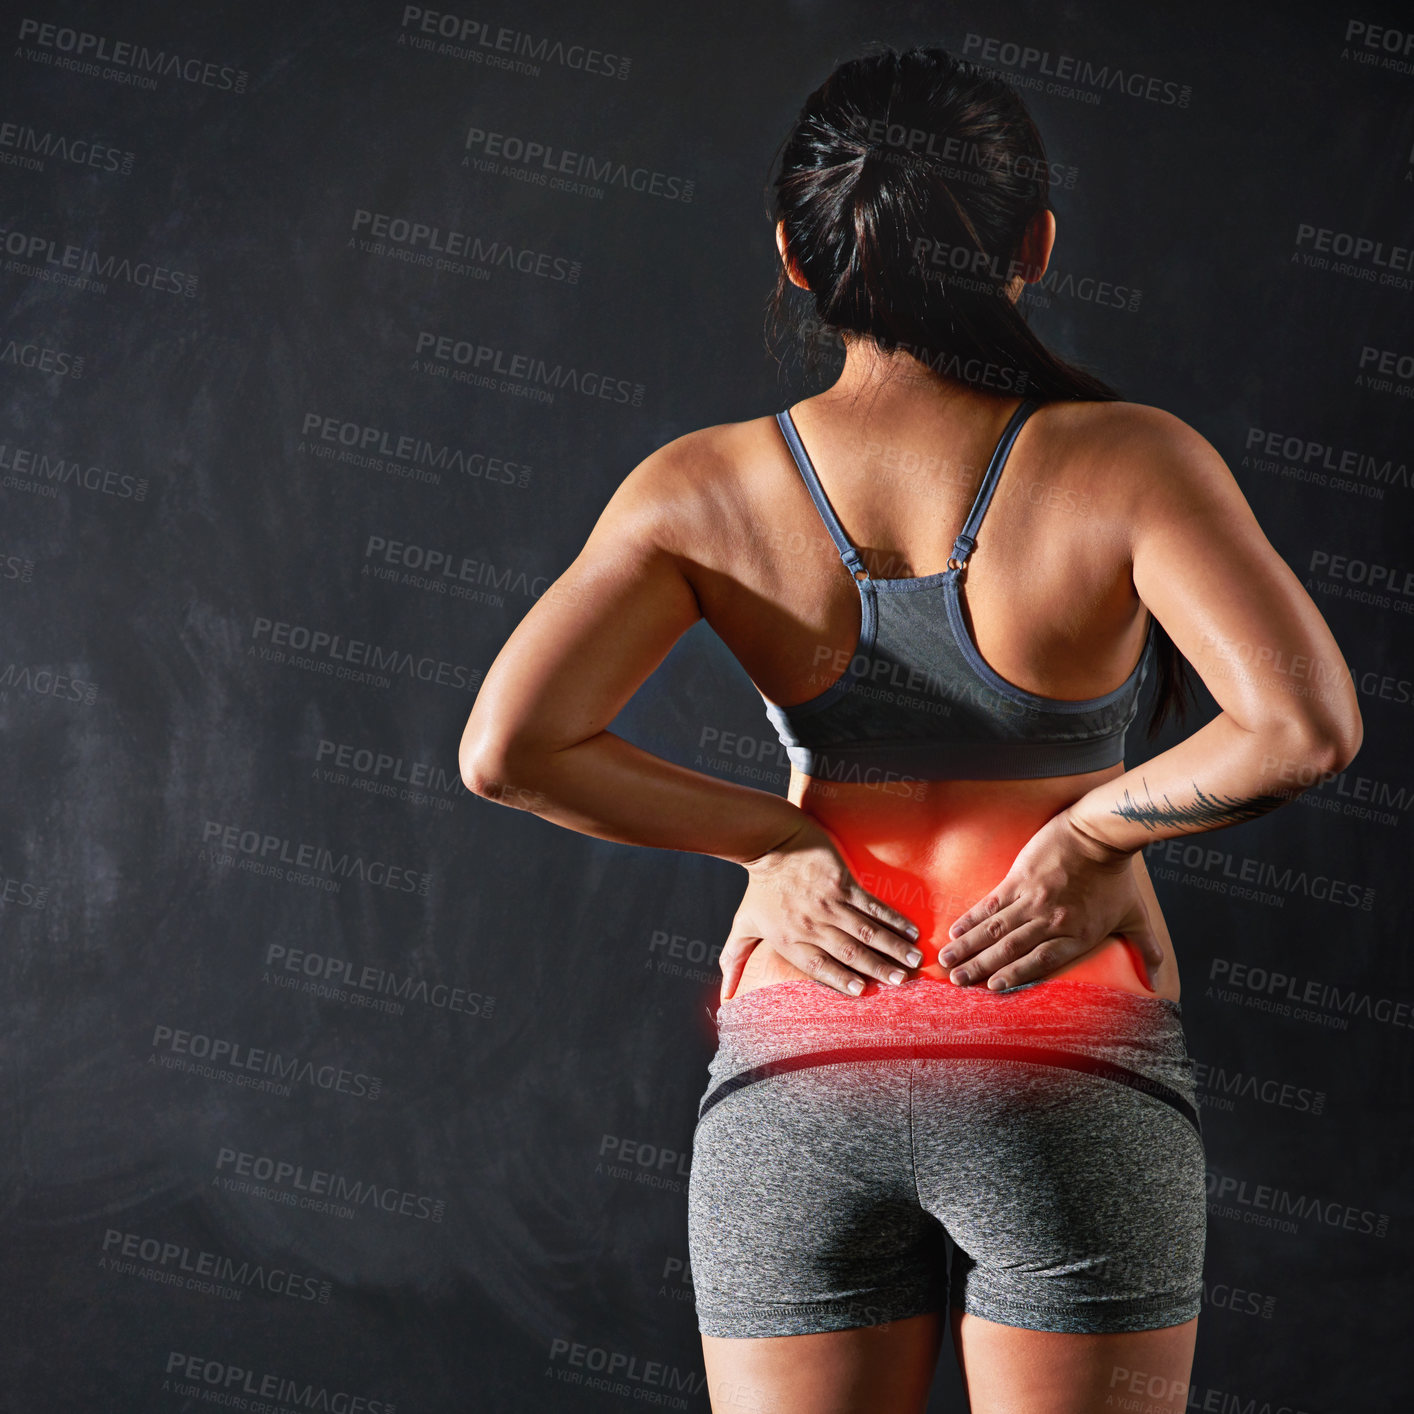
[{"x": 917, "y": 701}]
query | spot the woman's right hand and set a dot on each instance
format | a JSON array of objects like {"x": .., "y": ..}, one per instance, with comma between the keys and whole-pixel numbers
[{"x": 803, "y": 903}]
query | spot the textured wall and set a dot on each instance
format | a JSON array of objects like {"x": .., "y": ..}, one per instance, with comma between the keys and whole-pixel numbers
[{"x": 323, "y": 1077}]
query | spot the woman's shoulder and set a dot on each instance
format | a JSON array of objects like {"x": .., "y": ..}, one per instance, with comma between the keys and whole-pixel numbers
[
  {"x": 1147, "y": 456},
  {"x": 1131, "y": 433},
  {"x": 721, "y": 449},
  {"x": 1124, "y": 424},
  {"x": 699, "y": 485},
  {"x": 706, "y": 466},
  {"x": 1147, "y": 465}
]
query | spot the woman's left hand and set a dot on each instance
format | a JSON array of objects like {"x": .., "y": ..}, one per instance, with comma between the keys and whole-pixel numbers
[{"x": 1065, "y": 893}]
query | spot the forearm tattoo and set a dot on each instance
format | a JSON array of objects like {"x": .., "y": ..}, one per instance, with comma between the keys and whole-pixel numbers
[{"x": 1207, "y": 811}]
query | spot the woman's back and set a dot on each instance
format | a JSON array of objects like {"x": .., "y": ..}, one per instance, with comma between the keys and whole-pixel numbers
[
  {"x": 1047, "y": 600},
  {"x": 848, "y": 1123}
]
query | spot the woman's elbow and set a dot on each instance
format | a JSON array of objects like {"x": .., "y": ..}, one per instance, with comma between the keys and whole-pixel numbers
[
  {"x": 480, "y": 771},
  {"x": 1344, "y": 744},
  {"x": 497, "y": 770},
  {"x": 485, "y": 766},
  {"x": 485, "y": 747},
  {"x": 1331, "y": 744}
]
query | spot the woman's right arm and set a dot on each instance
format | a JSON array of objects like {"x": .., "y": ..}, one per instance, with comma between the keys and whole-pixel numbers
[{"x": 1243, "y": 620}]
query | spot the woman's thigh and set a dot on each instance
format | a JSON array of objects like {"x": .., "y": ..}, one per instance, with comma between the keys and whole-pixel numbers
[
  {"x": 1009, "y": 1370},
  {"x": 866, "y": 1370}
]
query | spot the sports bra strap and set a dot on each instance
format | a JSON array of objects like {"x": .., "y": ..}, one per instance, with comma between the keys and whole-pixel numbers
[
  {"x": 966, "y": 541},
  {"x": 848, "y": 553},
  {"x": 964, "y": 544}
]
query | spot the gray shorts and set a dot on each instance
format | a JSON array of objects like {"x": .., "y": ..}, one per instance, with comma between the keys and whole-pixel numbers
[{"x": 1050, "y": 1132}]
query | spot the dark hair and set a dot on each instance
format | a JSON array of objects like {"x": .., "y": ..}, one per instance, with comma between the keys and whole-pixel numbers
[{"x": 907, "y": 185}]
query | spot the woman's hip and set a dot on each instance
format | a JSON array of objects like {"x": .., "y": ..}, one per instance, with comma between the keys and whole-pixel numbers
[{"x": 1062, "y": 1023}]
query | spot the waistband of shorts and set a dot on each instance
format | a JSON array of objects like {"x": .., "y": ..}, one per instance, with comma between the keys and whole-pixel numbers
[{"x": 788, "y": 1017}]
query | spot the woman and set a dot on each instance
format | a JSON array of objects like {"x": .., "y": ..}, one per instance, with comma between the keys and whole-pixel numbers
[{"x": 949, "y": 1000}]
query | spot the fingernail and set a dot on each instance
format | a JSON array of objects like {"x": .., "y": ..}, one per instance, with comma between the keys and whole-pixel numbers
[
  {"x": 962, "y": 977},
  {"x": 912, "y": 931},
  {"x": 855, "y": 987},
  {"x": 955, "y": 931},
  {"x": 947, "y": 957},
  {"x": 895, "y": 977},
  {"x": 914, "y": 957},
  {"x": 996, "y": 984}
]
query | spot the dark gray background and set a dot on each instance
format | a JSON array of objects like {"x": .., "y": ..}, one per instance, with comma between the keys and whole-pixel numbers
[{"x": 117, "y": 920}]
